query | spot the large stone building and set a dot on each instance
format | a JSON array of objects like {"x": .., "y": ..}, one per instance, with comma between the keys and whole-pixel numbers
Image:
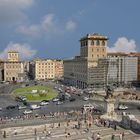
[
  {"x": 13, "y": 68},
  {"x": 81, "y": 70},
  {"x": 120, "y": 70},
  {"x": 136, "y": 54},
  {"x": 127, "y": 66},
  {"x": 47, "y": 69},
  {"x": 95, "y": 68}
]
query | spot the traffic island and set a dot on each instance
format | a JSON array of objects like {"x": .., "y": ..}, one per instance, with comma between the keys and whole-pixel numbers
[{"x": 35, "y": 93}]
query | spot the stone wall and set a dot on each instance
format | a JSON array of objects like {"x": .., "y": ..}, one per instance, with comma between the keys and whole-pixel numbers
[{"x": 130, "y": 122}]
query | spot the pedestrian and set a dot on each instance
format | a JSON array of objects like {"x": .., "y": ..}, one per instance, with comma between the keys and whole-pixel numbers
[
  {"x": 89, "y": 125},
  {"x": 115, "y": 127},
  {"x": 93, "y": 136},
  {"x": 98, "y": 137},
  {"x": 122, "y": 135},
  {"x": 4, "y": 134},
  {"x": 113, "y": 137},
  {"x": 65, "y": 130},
  {"x": 104, "y": 123},
  {"x": 35, "y": 131},
  {"x": 68, "y": 134},
  {"x": 15, "y": 132},
  {"x": 59, "y": 124}
]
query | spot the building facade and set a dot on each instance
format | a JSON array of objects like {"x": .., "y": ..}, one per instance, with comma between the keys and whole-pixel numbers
[
  {"x": 120, "y": 70},
  {"x": 82, "y": 70},
  {"x": 136, "y": 54},
  {"x": 13, "y": 56},
  {"x": 13, "y": 68},
  {"x": 48, "y": 69},
  {"x": 59, "y": 69},
  {"x": 95, "y": 68}
]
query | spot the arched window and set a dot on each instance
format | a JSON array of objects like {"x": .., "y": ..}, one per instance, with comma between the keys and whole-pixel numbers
[
  {"x": 92, "y": 42},
  {"x": 97, "y": 42},
  {"x": 103, "y": 43}
]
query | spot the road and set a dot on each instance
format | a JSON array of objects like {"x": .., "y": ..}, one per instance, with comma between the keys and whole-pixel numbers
[{"x": 6, "y": 99}]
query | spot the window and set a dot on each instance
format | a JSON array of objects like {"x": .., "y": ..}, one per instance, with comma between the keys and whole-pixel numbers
[
  {"x": 92, "y": 42},
  {"x": 103, "y": 43},
  {"x": 98, "y": 43}
]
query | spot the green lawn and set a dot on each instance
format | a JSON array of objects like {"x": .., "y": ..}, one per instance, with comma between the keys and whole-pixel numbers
[{"x": 27, "y": 91}]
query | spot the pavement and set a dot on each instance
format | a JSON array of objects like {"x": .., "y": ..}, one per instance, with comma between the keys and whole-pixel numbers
[{"x": 40, "y": 132}]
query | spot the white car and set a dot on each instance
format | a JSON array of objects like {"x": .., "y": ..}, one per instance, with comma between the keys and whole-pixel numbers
[
  {"x": 122, "y": 107},
  {"x": 85, "y": 98},
  {"x": 88, "y": 107},
  {"x": 33, "y": 107},
  {"x": 0, "y": 109},
  {"x": 55, "y": 100},
  {"x": 27, "y": 112},
  {"x": 44, "y": 103},
  {"x": 59, "y": 103},
  {"x": 22, "y": 107}
]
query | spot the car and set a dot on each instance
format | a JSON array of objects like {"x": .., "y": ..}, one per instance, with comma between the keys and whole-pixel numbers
[
  {"x": 20, "y": 98},
  {"x": 59, "y": 103},
  {"x": 27, "y": 112},
  {"x": 44, "y": 102},
  {"x": 0, "y": 108},
  {"x": 122, "y": 107},
  {"x": 34, "y": 106},
  {"x": 85, "y": 98},
  {"x": 22, "y": 107},
  {"x": 62, "y": 98},
  {"x": 79, "y": 94},
  {"x": 55, "y": 100},
  {"x": 72, "y": 99},
  {"x": 11, "y": 107}
]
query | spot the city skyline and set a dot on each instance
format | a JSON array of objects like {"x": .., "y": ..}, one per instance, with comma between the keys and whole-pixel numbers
[{"x": 52, "y": 29}]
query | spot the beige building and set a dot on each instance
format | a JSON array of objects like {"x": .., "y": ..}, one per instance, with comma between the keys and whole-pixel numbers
[
  {"x": 13, "y": 56},
  {"x": 48, "y": 69},
  {"x": 59, "y": 70},
  {"x": 13, "y": 68},
  {"x": 81, "y": 70}
]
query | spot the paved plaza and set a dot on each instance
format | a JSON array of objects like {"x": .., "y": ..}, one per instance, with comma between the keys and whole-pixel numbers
[{"x": 66, "y": 131}]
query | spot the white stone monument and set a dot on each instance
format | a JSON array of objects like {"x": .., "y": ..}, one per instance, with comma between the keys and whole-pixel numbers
[
  {"x": 109, "y": 105},
  {"x": 109, "y": 108}
]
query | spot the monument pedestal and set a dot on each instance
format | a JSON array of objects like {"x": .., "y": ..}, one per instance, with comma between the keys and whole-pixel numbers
[{"x": 109, "y": 107}]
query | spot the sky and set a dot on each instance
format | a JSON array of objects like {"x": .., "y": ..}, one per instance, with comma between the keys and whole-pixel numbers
[{"x": 52, "y": 28}]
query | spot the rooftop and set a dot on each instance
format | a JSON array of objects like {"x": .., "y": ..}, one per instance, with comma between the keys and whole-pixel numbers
[{"x": 94, "y": 36}]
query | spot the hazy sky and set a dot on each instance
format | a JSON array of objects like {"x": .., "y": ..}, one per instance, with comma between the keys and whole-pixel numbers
[{"x": 52, "y": 28}]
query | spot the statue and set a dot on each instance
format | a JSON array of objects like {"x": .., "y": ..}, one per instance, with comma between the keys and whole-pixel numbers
[{"x": 109, "y": 92}]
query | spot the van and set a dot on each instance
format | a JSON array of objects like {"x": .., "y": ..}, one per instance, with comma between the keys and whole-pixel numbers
[{"x": 88, "y": 107}]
